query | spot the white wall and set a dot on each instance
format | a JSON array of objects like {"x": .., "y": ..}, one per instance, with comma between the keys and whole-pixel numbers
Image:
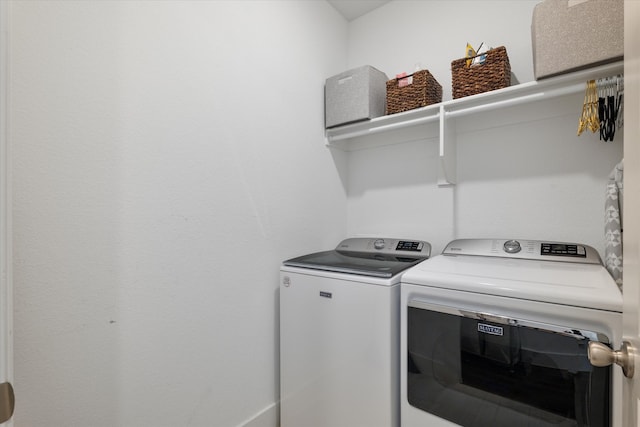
[
  {"x": 167, "y": 157},
  {"x": 522, "y": 172}
]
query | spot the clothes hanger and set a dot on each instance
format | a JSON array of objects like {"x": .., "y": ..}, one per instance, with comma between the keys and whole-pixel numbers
[
  {"x": 602, "y": 108},
  {"x": 589, "y": 118}
]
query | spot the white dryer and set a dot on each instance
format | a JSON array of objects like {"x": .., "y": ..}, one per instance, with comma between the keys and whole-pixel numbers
[
  {"x": 339, "y": 333},
  {"x": 496, "y": 333}
]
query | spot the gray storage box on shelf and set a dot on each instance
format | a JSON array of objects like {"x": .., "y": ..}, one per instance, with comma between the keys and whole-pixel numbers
[
  {"x": 570, "y": 35},
  {"x": 355, "y": 95}
]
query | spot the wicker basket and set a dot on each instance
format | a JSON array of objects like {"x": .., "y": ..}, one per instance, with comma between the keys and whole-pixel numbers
[
  {"x": 494, "y": 74},
  {"x": 424, "y": 90}
]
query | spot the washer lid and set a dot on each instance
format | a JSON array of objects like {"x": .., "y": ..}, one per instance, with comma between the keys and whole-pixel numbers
[{"x": 374, "y": 257}]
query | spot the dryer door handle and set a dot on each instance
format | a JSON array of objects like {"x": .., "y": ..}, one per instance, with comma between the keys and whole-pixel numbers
[
  {"x": 462, "y": 311},
  {"x": 601, "y": 355}
]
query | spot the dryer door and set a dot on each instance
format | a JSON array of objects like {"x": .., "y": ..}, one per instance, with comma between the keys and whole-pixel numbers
[{"x": 478, "y": 369}]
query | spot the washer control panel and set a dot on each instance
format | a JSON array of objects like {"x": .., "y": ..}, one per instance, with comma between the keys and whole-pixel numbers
[
  {"x": 525, "y": 249},
  {"x": 417, "y": 248}
]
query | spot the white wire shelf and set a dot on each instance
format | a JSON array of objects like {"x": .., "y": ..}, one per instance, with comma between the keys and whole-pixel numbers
[
  {"x": 514, "y": 95},
  {"x": 341, "y": 137}
]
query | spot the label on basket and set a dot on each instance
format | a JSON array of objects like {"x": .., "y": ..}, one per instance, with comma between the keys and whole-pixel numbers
[
  {"x": 481, "y": 55},
  {"x": 403, "y": 80}
]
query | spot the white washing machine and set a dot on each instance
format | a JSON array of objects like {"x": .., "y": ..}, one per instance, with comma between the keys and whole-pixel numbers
[
  {"x": 339, "y": 333},
  {"x": 496, "y": 333}
]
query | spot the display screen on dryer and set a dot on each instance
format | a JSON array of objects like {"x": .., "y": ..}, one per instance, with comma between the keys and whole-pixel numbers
[{"x": 562, "y": 249}]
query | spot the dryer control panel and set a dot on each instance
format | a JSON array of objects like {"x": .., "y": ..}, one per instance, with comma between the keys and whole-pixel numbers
[
  {"x": 525, "y": 249},
  {"x": 563, "y": 249}
]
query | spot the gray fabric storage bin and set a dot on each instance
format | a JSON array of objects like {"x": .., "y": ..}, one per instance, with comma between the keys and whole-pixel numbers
[
  {"x": 570, "y": 35},
  {"x": 355, "y": 95}
]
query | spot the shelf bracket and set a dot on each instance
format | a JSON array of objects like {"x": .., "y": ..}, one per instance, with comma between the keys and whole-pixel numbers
[{"x": 447, "y": 159}]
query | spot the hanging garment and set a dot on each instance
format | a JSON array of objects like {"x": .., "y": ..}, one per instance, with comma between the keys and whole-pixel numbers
[{"x": 613, "y": 223}]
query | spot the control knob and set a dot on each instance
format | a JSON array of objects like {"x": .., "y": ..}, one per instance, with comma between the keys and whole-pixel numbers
[
  {"x": 379, "y": 244},
  {"x": 512, "y": 246}
]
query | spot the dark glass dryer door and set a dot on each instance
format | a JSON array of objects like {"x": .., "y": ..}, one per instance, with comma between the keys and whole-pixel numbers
[{"x": 480, "y": 370}]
